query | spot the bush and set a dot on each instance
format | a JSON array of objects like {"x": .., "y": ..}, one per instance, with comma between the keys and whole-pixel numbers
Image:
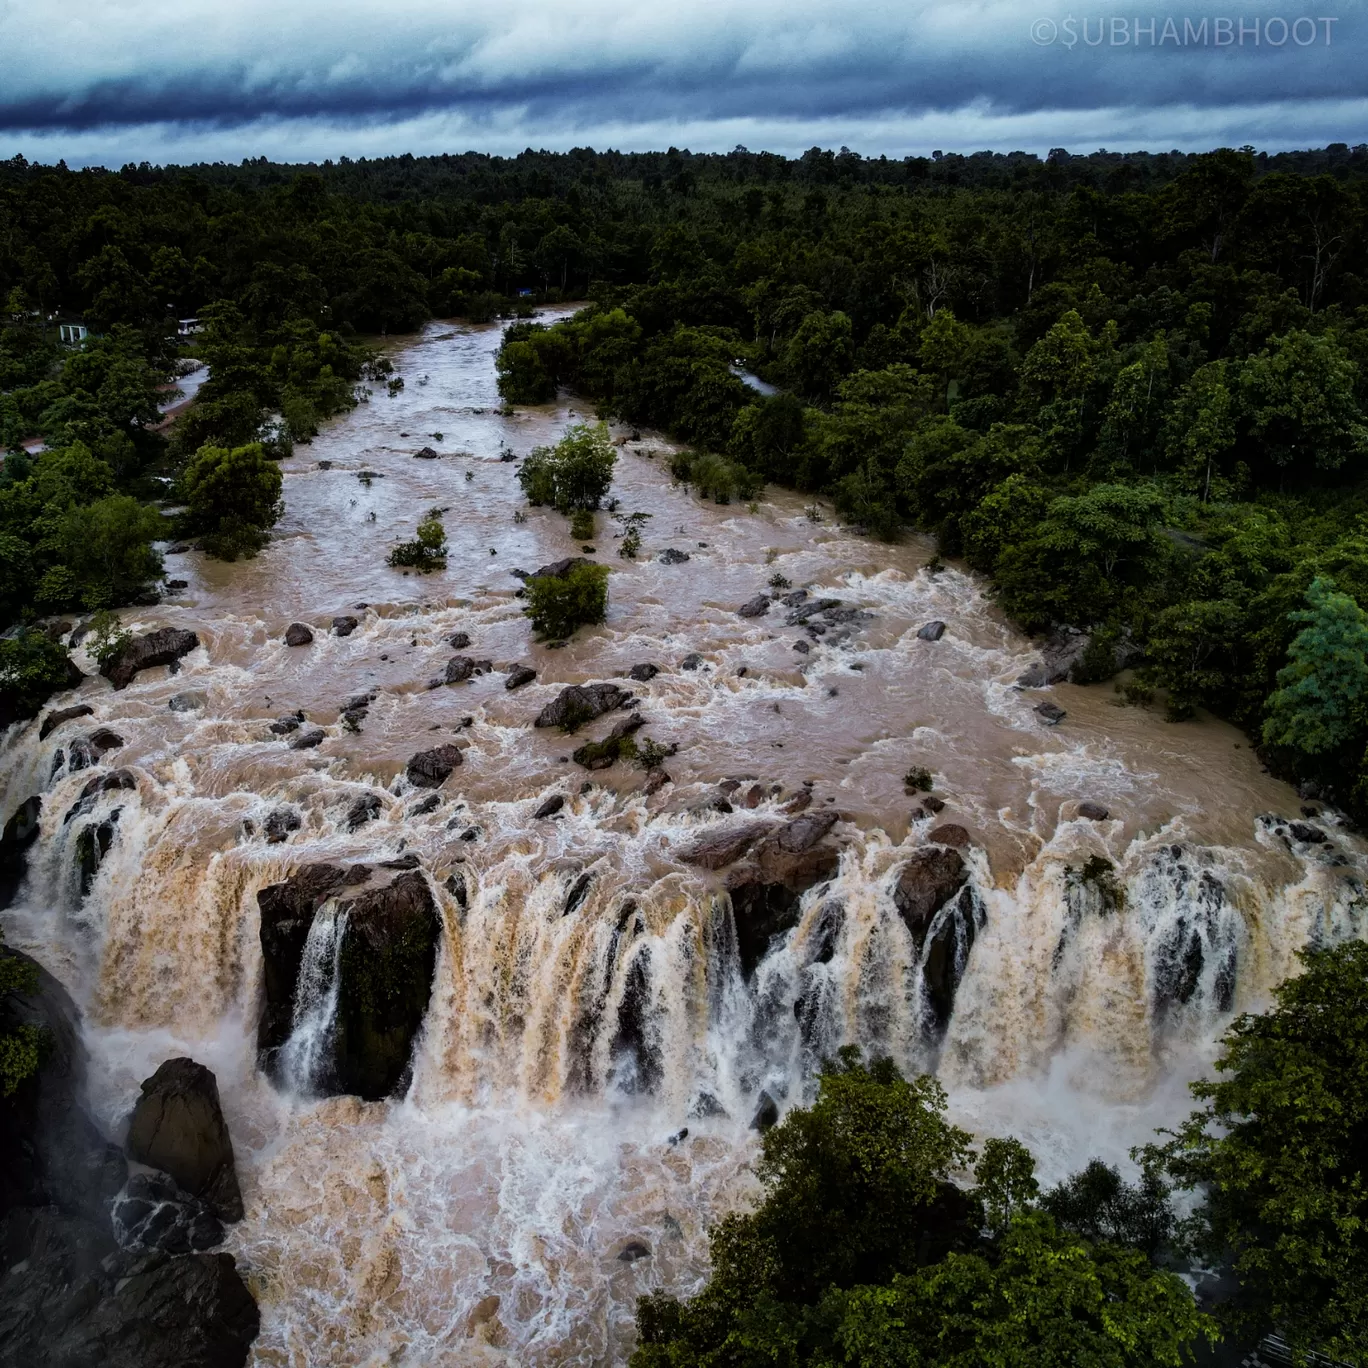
[
  {"x": 574, "y": 474},
  {"x": 32, "y": 668},
  {"x": 108, "y": 638},
  {"x": 631, "y": 523},
  {"x": 715, "y": 477},
  {"x": 558, "y": 604},
  {"x": 429, "y": 552},
  {"x": 582, "y": 525}
]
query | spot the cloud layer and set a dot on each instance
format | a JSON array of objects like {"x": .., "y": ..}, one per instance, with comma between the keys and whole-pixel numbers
[{"x": 99, "y": 82}]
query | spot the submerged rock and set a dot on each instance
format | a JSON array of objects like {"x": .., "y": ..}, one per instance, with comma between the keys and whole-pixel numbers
[
  {"x": 178, "y": 1127},
  {"x": 1050, "y": 713},
  {"x": 165, "y": 646},
  {"x": 344, "y": 625},
  {"x": 671, "y": 556},
  {"x": 550, "y": 807},
  {"x": 518, "y": 676},
  {"x": 643, "y": 673},
  {"x": 755, "y": 607},
  {"x": 932, "y": 631},
  {"x": 1094, "y": 812}
]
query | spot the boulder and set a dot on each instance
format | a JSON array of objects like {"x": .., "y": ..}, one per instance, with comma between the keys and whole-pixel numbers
[
  {"x": 105, "y": 740},
  {"x": 21, "y": 830},
  {"x": 1094, "y": 812},
  {"x": 670, "y": 556},
  {"x": 297, "y": 634},
  {"x": 766, "y": 890},
  {"x": 280, "y": 822},
  {"x": 178, "y": 1127},
  {"x": 425, "y": 453},
  {"x": 385, "y": 963},
  {"x": 755, "y": 607},
  {"x": 518, "y": 676},
  {"x": 932, "y": 631},
  {"x": 425, "y": 805},
  {"x": 165, "y": 646},
  {"x": 655, "y": 781},
  {"x": 925, "y": 884},
  {"x": 643, "y": 673},
  {"x": 309, "y": 739},
  {"x": 458, "y": 670},
  {"x": 286, "y": 912},
  {"x": 808, "y": 608},
  {"x": 344, "y": 625},
  {"x": 1050, "y": 713},
  {"x": 723, "y": 845},
  {"x": 1060, "y": 652},
  {"x": 177, "y": 584},
  {"x": 559, "y": 568},
  {"x": 801, "y": 646},
  {"x": 551, "y": 806},
  {"x": 365, "y": 809},
  {"x": 766, "y": 1113},
  {"x": 72, "y": 1299},
  {"x": 431, "y": 768},
  {"x": 580, "y": 703},
  {"x": 950, "y": 834},
  {"x": 188, "y": 700},
  {"x": 55, "y": 719},
  {"x": 692, "y": 661},
  {"x": 458, "y": 641}
]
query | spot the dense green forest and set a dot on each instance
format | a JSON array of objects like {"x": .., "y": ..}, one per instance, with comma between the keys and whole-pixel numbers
[{"x": 1128, "y": 387}]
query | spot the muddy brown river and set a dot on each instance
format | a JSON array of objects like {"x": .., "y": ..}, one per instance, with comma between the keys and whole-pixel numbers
[{"x": 481, "y": 1219}]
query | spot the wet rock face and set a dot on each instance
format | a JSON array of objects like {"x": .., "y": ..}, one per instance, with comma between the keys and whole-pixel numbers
[
  {"x": 178, "y": 1127},
  {"x": 72, "y": 1299},
  {"x": 385, "y": 965},
  {"x": 21, "y": 830},
  {"x": 431, "y": 768},
  {"x": 165, "y": 646},
  {"x": 943, "y": 914},
  {"x": 153, "y": 1212},
  {"x": 755, "y": 607},
  {"x": 581, "y": 703},
  {"x": 927, "y": 882},
  {"x": 55, "y": 719},
  {"x": 643, "y": 673},
  {"x": 344, "y": 625},
  {"x": 297, "y": 634}
]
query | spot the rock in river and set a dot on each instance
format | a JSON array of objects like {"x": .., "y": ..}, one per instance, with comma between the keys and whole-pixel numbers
[
  {"x": 389, "y": 933},
  {"x": 297, "y": 634},
  {"x": 178, "y": 1127},
  {"x": 580, "y": 703},
  {"x": 163, "y": 647},
  {"x": 430, "y": 768}
]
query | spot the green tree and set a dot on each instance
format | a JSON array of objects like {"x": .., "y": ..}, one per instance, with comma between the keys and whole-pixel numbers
[
  {"x": 576, "y": 473},
  {"x": 821, "y": 353},
  {"x": 232, "y": 498},
  {"x": 106, "y": 548},
  {"x": 559, "y": 604},
  {"x": 21, "y": 1045},
  {"x": 1318, "y": 704},
  {"x": 1276, "y": 1159},
  {"x": 1299, "y": 402},
  {"x": 32, "y": 669}
]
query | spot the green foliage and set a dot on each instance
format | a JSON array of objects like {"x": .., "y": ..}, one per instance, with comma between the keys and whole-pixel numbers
[
  {"x": 106, "y": 638},
  {"x": 1099, "y": 1205},
  {"x": 32, "y": 669},
  {"x": 559, "y": 604},
  {"x": 1276, "y": 1159},
  {"x": 650, "y": 754},
  {"x": 631, "y": 524},
  {"x": 582, "y": 524},
  {"x": 919, "y": 778},
  {"x": 232, "y": 498},
  {"x": 22, "y": 1046},
  {"x": 863, "y": 1252},
  {"x": 1321, "y": 692},
  {"x": 714, "y": 477},
  {"x": 574, "y": 474},
  {"x": 428, "y": 552}
]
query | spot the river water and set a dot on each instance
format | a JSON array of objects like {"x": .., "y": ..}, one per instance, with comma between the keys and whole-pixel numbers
[{"x": 482, "y": 1218}]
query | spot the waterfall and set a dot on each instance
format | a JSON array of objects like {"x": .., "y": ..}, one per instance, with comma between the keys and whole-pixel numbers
[{"x": 304, "y": 1058}]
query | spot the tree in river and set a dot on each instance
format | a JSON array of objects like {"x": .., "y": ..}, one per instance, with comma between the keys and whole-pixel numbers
[
  {"x": 232, "y": 498},
  {"x": 1277, "y": 1156},
  {"x": 574, "y": 474}
]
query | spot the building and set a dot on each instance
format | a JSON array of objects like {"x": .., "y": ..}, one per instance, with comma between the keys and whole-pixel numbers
[{"x": 73, "y": 334}]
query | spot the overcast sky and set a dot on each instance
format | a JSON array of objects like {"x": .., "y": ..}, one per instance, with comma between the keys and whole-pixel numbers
[{"x": 112, "y": 81}]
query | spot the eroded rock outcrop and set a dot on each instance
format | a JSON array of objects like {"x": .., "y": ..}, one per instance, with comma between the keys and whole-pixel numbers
[
  {"x": 165, "y": 646},
  {"x": 389, "y": 929},
  {"x": 580, "y": 703}
]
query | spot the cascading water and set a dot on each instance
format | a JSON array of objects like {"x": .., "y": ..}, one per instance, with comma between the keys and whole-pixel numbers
[
  {"x": 593, "y": 994},
  {"x": 303, "y": 1057}
]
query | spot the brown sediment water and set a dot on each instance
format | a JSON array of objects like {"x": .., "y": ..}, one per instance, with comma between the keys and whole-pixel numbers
[{"x": 481, "y": 1219}]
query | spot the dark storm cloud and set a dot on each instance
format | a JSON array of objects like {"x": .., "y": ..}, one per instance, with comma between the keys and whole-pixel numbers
[{"x": 543, "y": 71}]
